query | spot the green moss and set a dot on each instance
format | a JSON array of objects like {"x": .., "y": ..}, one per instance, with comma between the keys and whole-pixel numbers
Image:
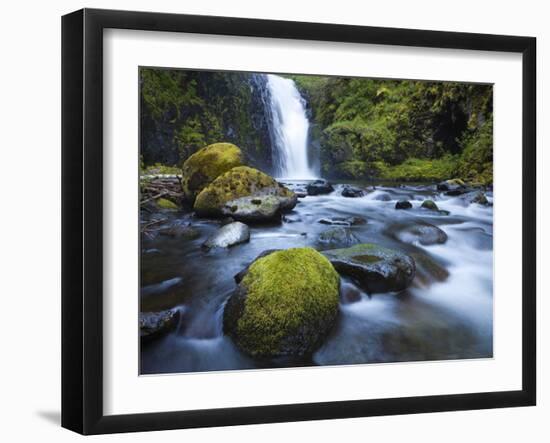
[
  {"x": 416, "y": 169},
  {"x": 206, "y": 164},
  {"x": 241, "y": 181},
  {"x": 288, "y": 293},
  {"x": 164, "y": 203}
]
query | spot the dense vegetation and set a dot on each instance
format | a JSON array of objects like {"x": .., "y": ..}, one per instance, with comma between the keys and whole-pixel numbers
[
  {"x": 183, "y": 111},
  {"x": 364, "y": 128},
  {"x": 401, "y": 130}
]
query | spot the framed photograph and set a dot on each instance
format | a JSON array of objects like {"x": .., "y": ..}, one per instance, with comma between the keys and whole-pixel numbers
[{"x": 269, "y": 221}]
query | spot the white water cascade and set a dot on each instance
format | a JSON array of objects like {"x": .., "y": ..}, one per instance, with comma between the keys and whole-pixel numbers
[{"x": 290, "y": 129}]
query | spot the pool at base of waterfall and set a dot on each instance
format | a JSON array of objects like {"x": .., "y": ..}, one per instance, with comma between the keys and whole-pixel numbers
[{"x": 446, "y": 313}]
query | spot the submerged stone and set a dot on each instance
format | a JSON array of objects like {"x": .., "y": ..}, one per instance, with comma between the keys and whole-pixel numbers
[
  {"x": 319, "y": 187},
  {"x": 403, "y": 204},
  {"x": 374, "y": 268}
]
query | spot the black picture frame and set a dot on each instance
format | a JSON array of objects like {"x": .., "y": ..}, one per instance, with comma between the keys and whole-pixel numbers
[{"x": 82, "y": 218}]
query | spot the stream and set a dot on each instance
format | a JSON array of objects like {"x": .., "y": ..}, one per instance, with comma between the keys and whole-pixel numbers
[{"x": 434, "y": 319}]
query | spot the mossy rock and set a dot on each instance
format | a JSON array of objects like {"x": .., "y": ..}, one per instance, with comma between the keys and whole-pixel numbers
[
  {"x": 285, "y": 305},
  {"x": 164, "y": 203},
  {"x": 374, "y": 268},
  {"x": 429, "y": 204},
  {"x": 201, "y": 168},
  {"x": 237, "y": 192}
]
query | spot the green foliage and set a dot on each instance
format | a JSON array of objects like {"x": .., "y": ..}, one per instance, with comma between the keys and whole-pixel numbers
[
  {"x": 415, "y": 170},
  {"x": 402, "y": 130},
  {"x": 476, "y": 162},
  {"x": 184, "y": 110},
  {"x": 289, "y": 293}
]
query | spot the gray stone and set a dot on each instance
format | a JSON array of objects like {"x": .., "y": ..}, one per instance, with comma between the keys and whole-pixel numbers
[{"x": 228, "y": 235}]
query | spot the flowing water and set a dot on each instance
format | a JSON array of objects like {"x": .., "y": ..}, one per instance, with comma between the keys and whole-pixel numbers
[
  {"x": 432, "y": 320},
  {"x": 290, "y": 129}
]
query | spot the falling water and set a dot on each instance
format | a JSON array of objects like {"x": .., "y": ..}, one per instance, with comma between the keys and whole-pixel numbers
[{"x": 290, "y": 129}]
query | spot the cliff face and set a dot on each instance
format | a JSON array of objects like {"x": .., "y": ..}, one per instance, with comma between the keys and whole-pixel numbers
[{"x": 182, "y": 111}]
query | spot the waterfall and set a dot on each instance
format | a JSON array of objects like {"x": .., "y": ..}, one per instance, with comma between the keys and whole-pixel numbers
[{"x": 290, "y": 128}]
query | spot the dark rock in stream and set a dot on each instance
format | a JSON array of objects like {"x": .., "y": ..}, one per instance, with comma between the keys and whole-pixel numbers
[
  {"x": 319, "y": 187},
  {"x": 429, "y": 204},
  {"x": 343, "y": 221},
  {"x": 228, "y": 235},
  {"x": 349, "y": 293},
  {"x": 428, "y": 270},
  {"x": 155, "y": 324},
  {"x": 374, "y": 268},
  {"x": 424, "y": 233},
  {"x": 352, "y": 192},
  {"x": 452, "y": 187},
  {"x": 403, "y": 204},
  {"x": 476, "y": 197},
  {"x": 338, "y": 238},
  {"x": 383, "y": 197}
]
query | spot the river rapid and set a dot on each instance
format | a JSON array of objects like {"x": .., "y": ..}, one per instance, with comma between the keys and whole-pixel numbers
[{"x": 434, "y": 319}]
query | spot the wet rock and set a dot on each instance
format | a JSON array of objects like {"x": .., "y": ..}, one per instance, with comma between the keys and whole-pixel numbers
[
  {"x": 156, "y": 324},
  {"x": 254, "y": 209},
  {"x": 476, "y": 197},
  {"x": 180, "y": 229},
  {"x": 343, "y": 221},
  {"x": 244, "y": 194},
  {"x": 338, "y": 238},
  {"x": 352, "y": 192},
  {"x": 228, "y": 235},
  {"x": 383, "y": 196},
  {"x": 453, "y": 187},
  {"x": 403, "y": 204},
  {"x": 285, "y": 305},
  {"x": 349, "y": 293},
  {"x": 424, "y": 233},
  {"x": 428, "y": 270},
  {"x": 319, "y": 187},
  {"x": 429, "y": 204},
  {"x": 201, "y": 168},
  {"x": 374, "y": 268}
]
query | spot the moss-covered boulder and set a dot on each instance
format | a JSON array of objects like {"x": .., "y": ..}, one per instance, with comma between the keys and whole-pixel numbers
[
  {"x": 373, "y": 267},
  {"x": 201, "y": 168},
  {"x": 245, "y": 194},
  {"x": 285, "y": 305}
]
